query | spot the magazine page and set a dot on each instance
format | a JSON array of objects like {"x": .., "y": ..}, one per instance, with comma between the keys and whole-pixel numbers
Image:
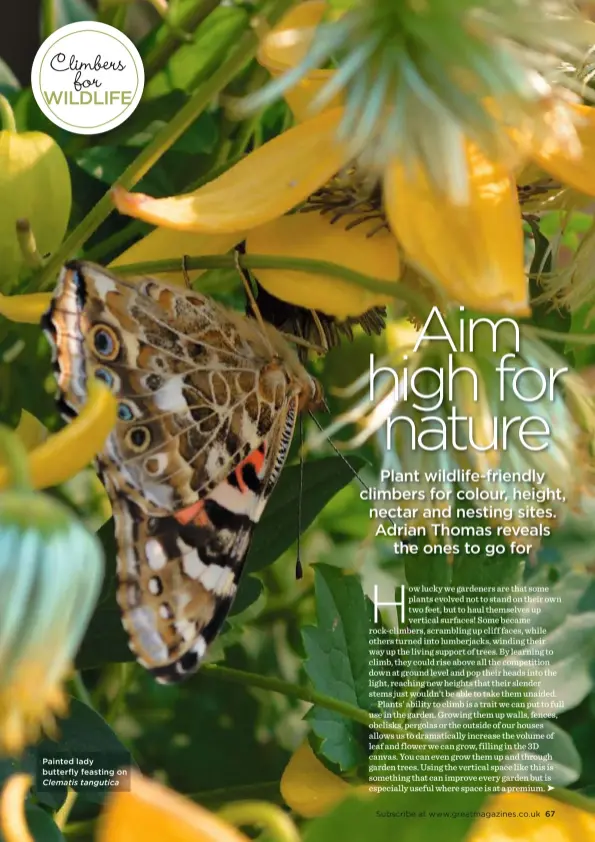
[{"x": 297, "y": 423}]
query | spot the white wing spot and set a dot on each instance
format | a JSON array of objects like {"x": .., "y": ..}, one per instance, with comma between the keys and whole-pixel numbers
[
  {"x": 200, "y": 647},
  {"x": 170, "y": 396},
  {"x": 192, "y": 565},
  {"x": 219, "y": 580},
  {"x": 155, "y": 554}
]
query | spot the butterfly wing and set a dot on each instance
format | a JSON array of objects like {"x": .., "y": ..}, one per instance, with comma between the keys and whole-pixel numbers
[
  {"x": 206, "y": 415},
  {"x": 178, "y": 574},
  {"x": 198, "y": 390}
]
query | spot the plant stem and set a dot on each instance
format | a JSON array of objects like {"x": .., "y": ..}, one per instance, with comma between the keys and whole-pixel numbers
[
  {"x": 414, "y": 299},
  {"x": 7, "y": 120},
  {"x": 149, "y": 156},
  {"x": 61, "y": 816},
  {"x": 576, "y": 338},
  {"x": 81, "y": 691},
  {"x": 212, "y": 798},
  {"x": 49, "y": 18},
  {"x": 28, "y": 244},
  {"x": 575, "y": 799},
  {"x": 293, "y": 691}
]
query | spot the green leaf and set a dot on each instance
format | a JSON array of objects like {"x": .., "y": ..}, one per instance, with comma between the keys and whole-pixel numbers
[
  {"x": 396, "y": 816},
  {"x": 209, "y": 736},
  {"x": 249, "y": 591},
  {"x": 194, "y": 61},
  {"x": 105, "y": 640},
  {"x": 41, "y": 825},
  {"x": 84, "y": 733},
  {"x": 337, "y": 663},
  {"x": 107, "y": 163}
]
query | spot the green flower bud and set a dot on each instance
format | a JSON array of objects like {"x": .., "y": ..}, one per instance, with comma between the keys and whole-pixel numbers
[
  {"x": 51, "y": 569},
  {"x": 35, "y": 189}
]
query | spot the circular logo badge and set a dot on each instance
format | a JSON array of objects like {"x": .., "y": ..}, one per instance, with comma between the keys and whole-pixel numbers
[{"x": 87, "y": 77}]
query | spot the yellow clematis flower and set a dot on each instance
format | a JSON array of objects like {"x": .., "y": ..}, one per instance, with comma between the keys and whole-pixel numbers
[
  {"x": 35, "y": 187},
  {"x": 13, "y": 822},
  {"x": 153, "y": 813},
  {"x": 470, "y": 245},
  {"x": 26, "y": 309},
  {"x": 65, "y": 453},
  {"x": 308, "y": 787},
  {"x": 224, "y": 210}
]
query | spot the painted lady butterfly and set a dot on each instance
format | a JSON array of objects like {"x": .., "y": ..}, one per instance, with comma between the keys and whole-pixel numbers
[{"x": 206, "y": 413}]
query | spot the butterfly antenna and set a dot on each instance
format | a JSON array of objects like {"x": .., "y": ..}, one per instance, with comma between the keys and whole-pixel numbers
[
  {"x": 299, "y": 571},
  {"x": 245, "y": 276},
  {"x": 342, "y": 456},
  {"x": 338, "y": 452}
]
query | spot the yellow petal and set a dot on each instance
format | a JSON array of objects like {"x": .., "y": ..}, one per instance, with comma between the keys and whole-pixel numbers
[
  {"x": 169, "y": 244},
  {"x": 577, "y": 171},
  {"x": 27, "y": 309},
  {"x": 70, "y": 450},
  {"x": 12, "y": 809},
  {"x": 300, "y": 97},
  {"x": 265, "y": 184},
  {"x": 31, "y": 431},
  {"x": 566, "y": 824},
  {"x": 286, "y": 45},
  {"x": 473, "y": 251},
  {"x": 310, "y": 235},
  {"x": 308, "y": 787},
  {"x": 152, "y": 813}
]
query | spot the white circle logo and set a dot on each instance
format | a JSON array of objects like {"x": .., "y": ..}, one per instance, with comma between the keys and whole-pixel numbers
[{"x": 87, "y": 77}]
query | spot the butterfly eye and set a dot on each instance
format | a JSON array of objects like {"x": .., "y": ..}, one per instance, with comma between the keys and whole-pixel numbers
[
  {"x": 138, "y": 439},
  {"x": 105, "y": 342},
  {"x": 153, "y": 382},
  {"x": 124, "y": 412},
  {"x": 104, "y": 375}
]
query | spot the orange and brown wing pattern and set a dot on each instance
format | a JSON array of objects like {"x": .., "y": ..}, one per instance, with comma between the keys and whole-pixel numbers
[
  {"x": 178, "y": 574},
  {"x": 206, "y": 411}
]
